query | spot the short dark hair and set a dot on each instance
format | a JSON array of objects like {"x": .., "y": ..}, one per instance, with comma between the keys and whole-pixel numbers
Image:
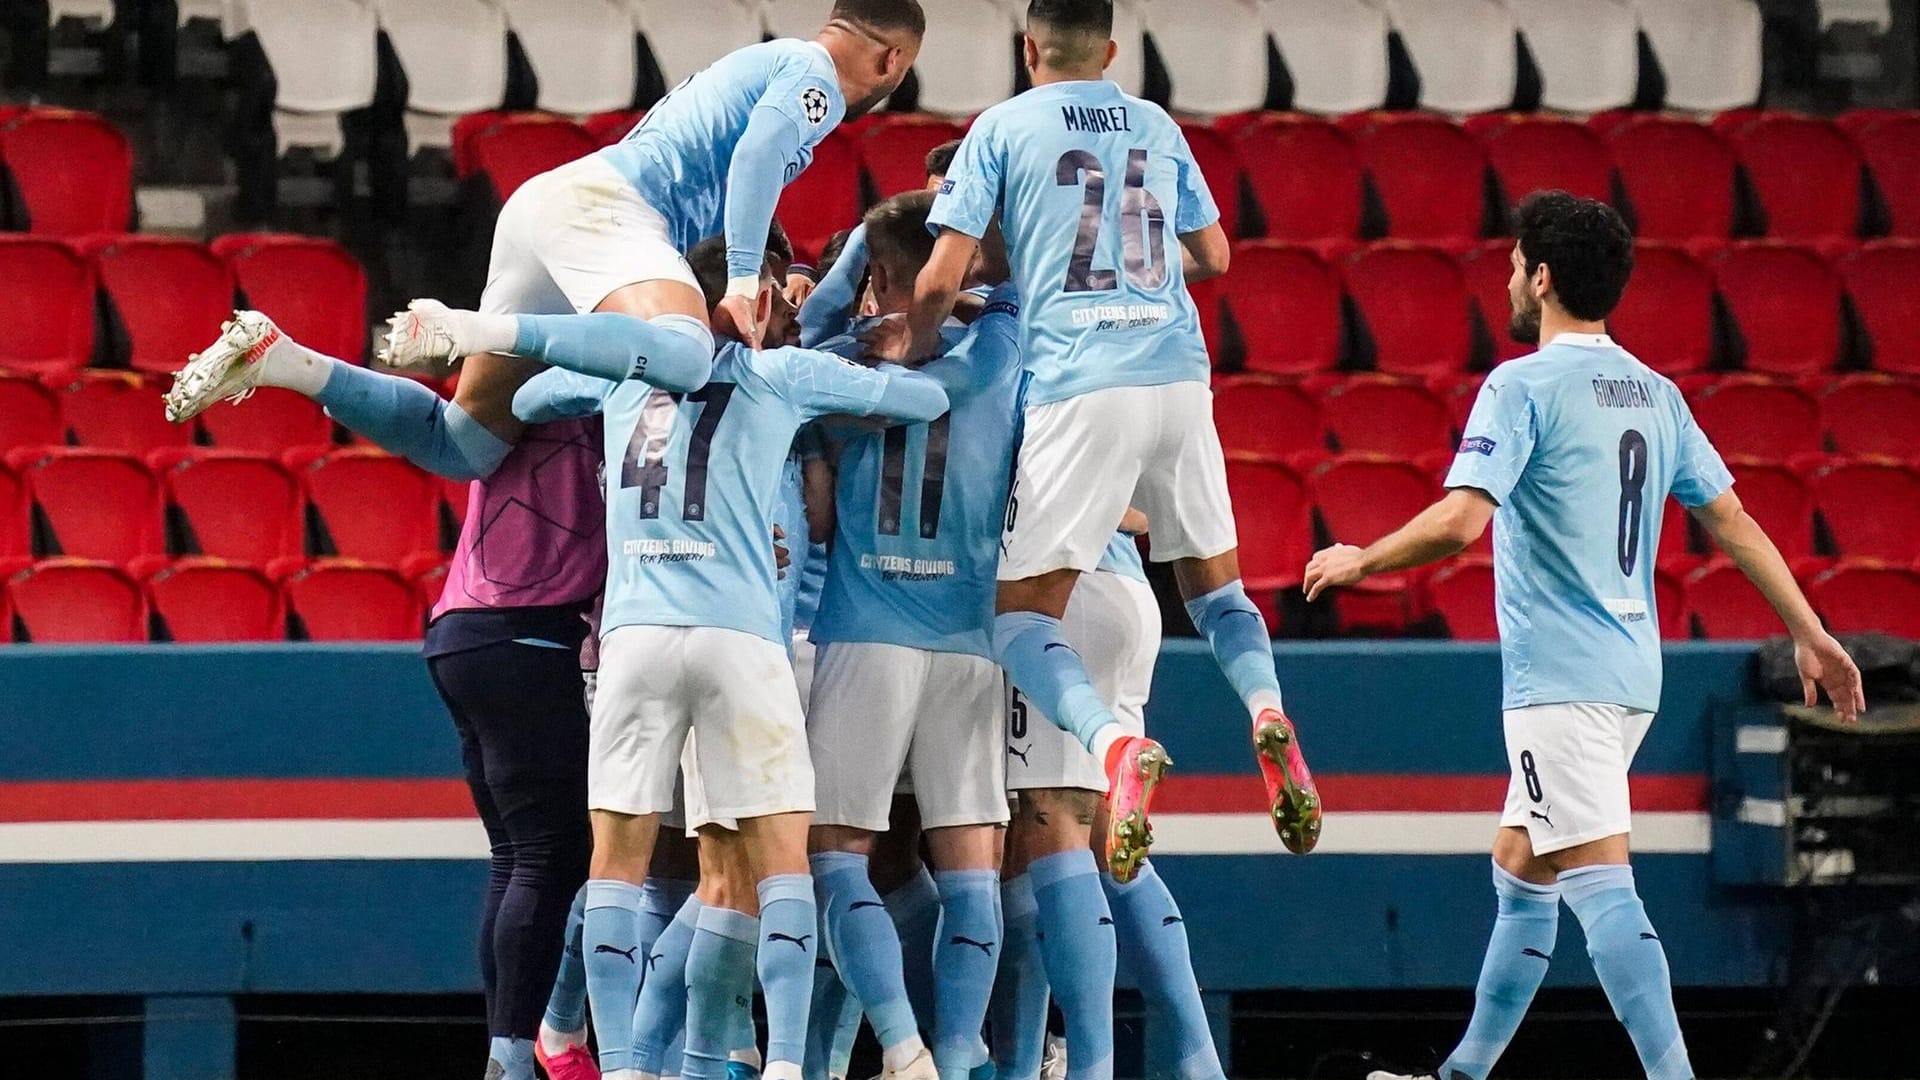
[
  {"x": 830, "y": 253},
  {"x": 708, "y": 261},
  {"x": 1587, "y": 245},
  {"x": 886, "y": 16},
  {"x": 1081, "y": 16},
  {"x": 940, "y": 158},
  {"x": 897, "y": 229}
]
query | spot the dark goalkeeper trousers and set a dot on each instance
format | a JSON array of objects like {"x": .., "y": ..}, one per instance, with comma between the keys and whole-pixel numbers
[{"x": 522, "y": 721}]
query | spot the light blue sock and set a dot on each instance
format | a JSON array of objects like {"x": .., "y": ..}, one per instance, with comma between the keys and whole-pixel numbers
[
  {"x": 830, "y": 999},
  {"x": 514, "y": 1055},
  {"x": 1020, "y": 990},
  {"x": 1631, "y": 964},
  {"x": 673, "y": 352},
  {"x": 1049, "y": 672},
  {"x": 1152, "y": 938},
  {"x": 966, "y": 953},
  {"x": 404, "y": 417},
  {"x": 567, "y": 1004},
  {"x": 790, "y": 926},
  {"x": 1517, "y": 958},
  {"x": 614, "y": 963},
  {"x": 846, "y": 1032},
  {"x": 660, "y": 1016},
  {"x": 1077, "y": 946},
  {"x": 719, "y": 979},
  {"x": 863, "y": 943},
  {"x": 1238, "y": 634},
  {"x": 915, "y": 910}
]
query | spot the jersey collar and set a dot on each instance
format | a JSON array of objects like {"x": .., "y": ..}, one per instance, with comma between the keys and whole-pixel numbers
[{"x": 1583, "y": 341}]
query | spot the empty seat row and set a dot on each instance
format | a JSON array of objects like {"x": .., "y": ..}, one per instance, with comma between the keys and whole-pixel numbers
[
  {"x": 125, "y": 412},
  {"x": 66, "y": 173},
  {"x": 100, "y": 505},
  {"x": 1761, "y": 306},
  {"x": 66, "y": 600},
  {"x": 162, "y": 298}
]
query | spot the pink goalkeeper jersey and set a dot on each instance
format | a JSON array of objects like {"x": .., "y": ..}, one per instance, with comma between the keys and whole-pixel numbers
[{"x": 535, "y": 534}]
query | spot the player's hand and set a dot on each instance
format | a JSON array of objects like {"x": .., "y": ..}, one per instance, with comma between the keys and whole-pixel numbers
[
  {"x": 890, "y": 339},
  {"x": 1330, "y": 568},
  {"x": 799, "y": 287},
  {"x": 1824, "y": 665},
  {"x": 782, "y": 555},
  {"x": 735, "y": 314}
]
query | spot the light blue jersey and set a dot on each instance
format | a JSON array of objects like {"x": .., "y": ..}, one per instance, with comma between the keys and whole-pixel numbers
[
  {"x": 920, "y": 509},
  {"x": 715, "y": 153},
  {"x": 1580, "y": 444},
  {"x": 694, "y": 480},
  {"x": 1094, "y": 189},
  {"x": 807, "y": 568},
  {"x": 1123, "y": 557}
]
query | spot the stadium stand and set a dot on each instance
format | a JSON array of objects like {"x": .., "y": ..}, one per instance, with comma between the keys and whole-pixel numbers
[
  {"x": 1415, "y": 315},
  {"x": 1676, "y": 178},
  {"x": 67, "y": 601},
  {"x": 514, "y": 148},
  {"x": 313, "y": 288},
  {"x": 967, "y": 63},
  {"x": 1284, "y": 303},
  {"x": 1709, "y": 51},
  {"x": 1807, "y": 177},
  {"x": 324, "y": 61},
  {"x": 1890, "y": 143},
  {"x": 274, "y": 421},
  {"x": 70, "y": 173},
  {"x": 1587, "y": 54},
  {"x": 1885, "y": 304},
  {"x": 367, "y": 505},
  {"x": 90, "y": 504},
  {"x": 1305, "y": 177},
  {"x": 454, "y": 54},
  {"x": 1861, "y": 595},
  {"x": 1529, "y": 152},
  {"x": 1462, "y": 52},
  {"x": 582, "y": 53},
  {"x": 1489, "y": 270},
  {"x": 1783, "y": 304},
  {"x": 344, "y": 600},
  {"x": 1428, "y": 174},
  {"x": 1461, "y": 596},
  {"x": 1722, "y": 604},
  {"x": 208, "y": 600},
  {"x": 1267, "y": 418},
  {"x": 1213, "y": 73},
  {"x": 233, "y": 506},
  {"x": 1667, "y": 317},
  {"x": 1871, "y": 415},
  {"x": 51, "y": 288},
  {"x": 29, "y": 413},
  {"x": 118, "y": 410},
  {"x": 1381, "y": 414},
  {"x": 1778, "y": 498},
  {"x": 826, "y": 198},
  {"x": 1333, "y": 53},
  {"x": 1271, "y": 509},
  {"x": 161, "y": 298},
  {"x": 1758, "y": 417},
  {"x": 1871, "y": 508},
  {"x": 894, "y": 151},
  {"x": 685, "y": 38}
]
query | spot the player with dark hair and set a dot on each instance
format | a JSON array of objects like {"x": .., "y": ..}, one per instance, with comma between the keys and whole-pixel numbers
[
  {"x": 940, "y": 162},
  {"x": 1571, "y": 453}
]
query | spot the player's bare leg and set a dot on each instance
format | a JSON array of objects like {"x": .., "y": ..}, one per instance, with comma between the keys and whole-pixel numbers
[
  {"x": 1234, "y": 627},
  {"x": 1047, "y": 670}
]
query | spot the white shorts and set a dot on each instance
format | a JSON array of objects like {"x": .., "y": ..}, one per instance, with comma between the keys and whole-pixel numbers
[
  {"x": 1085, "y": 460},
  {"x": 803, "y": 655},
  {"x": 570, "y": 237},
  {"x": 1569, "y": 763},
  {"x": 732, "y": 692},
  {"x": 676, "y": 818},
  {"x": 880, "y": 711},
  {"x": 1113, "y": 622}
]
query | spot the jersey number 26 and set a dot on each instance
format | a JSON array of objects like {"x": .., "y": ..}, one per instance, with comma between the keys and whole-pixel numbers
[{"x": 1142, "y": 224}]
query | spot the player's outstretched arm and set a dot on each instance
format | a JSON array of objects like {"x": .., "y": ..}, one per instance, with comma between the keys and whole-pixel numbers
[
  {"x": 936, "y": 289},
  {"x": 830, "y": 307},
  {"x": 1205, "y": 254},
  {"x": 557, "y": 394},
  {"x": 992, "y": 344},
  {"x": 1443, "y": 529},
  {"x": 1822, "y": 662},
  {"x": 772, "y": 144}
]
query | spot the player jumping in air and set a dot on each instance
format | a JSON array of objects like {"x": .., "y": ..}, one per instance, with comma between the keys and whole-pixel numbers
[
  {"x": 1107, "y": 218},
  {"x": 1571, "y": 453}
]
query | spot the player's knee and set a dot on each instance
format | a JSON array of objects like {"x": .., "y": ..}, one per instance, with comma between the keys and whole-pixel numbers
[
  {"x": 1513, "y": 852},
  {"x": 683, "y": 354},
  {"x": 841, "y": 838}
]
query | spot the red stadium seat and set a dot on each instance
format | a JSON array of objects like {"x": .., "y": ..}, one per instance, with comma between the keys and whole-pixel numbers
[
  {"x": 1754, "y": 416},
  {"x": 1380, "y": 414},
  {"x": 1872, "y": 415},
  {"x": 1266, "y": 418},
  {"x": 826, "y": 197},
  {"x": 269, "y": 422},
  {"x": 1724, "y": 606},
  {"x": 1890, "y": 144},
  {"x": 1785, "y": 305},
  {"x": 166, "y": 297},
  {"x": 1363, "y": 497},
  {"x": 608, "y": 128},
  {"x": 1677, "y": 177},
  {"x": 1531, "y": 153},
  {"x": 16, "y": 534},
  {"x": 29, "y": 413},
  {"x": 234, "y": 506},
  {"x": 524, "y": 145},
  {"x": 64, "y": 601},
  {"x": 50, "y": 298},
  {"x": 369, "y": 505},
  {"x": 1429, "y": 174},
  {"x": 1285, "y": 303},
  {"x": 1862, "y": 596},
  {"x": 1871, "y": 508},
  {"x": 895, "y": 150},
  {"x": 1414, "y": 307},
  {"x": 1489, "y": 268},
  {"x": 1666, "y": 316},
  {"x": 1213, "y": 153},
  {"x": 1270, "y": 511},
  {"x": 1883, "y": 286},
  {"x": 90, "y": 504},
  {"x": 312, "y": 288},
  {"x": 215, "y": 600},
  {"x": 1305, "y": 174},
  {"x": 118, "y": 410},
  {"x": 343, "y": 600},
  {"x": 1461, "y": 593},
  {"x": 455, "y": 496},
  {"x": 1670, "y": 603},
  {"x": 73, "y": 172},
  {"x": 1779, "y": 500},
  {"x": 1805, "y": 173},
  {"x": 1207, "y": 303}
]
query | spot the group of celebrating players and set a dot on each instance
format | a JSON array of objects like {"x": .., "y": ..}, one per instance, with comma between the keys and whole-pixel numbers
[{"x": 852, "y": 565}]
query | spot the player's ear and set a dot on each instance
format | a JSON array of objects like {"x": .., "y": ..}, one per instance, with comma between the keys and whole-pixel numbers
[
  {"x": 1113, "y": 50},
  {"x": 1031, "y": 52},
  {"x": 1542, "y": 281},
  {"x": 763, "y": 303}
]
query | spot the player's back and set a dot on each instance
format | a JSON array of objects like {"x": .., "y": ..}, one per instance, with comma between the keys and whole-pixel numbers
[
  {"x": 918, "y": 511},
  {"x": 1094, "y": 188},
  {"x": 678, "y": 156},
  {"x": 1599, "y": 440}
]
